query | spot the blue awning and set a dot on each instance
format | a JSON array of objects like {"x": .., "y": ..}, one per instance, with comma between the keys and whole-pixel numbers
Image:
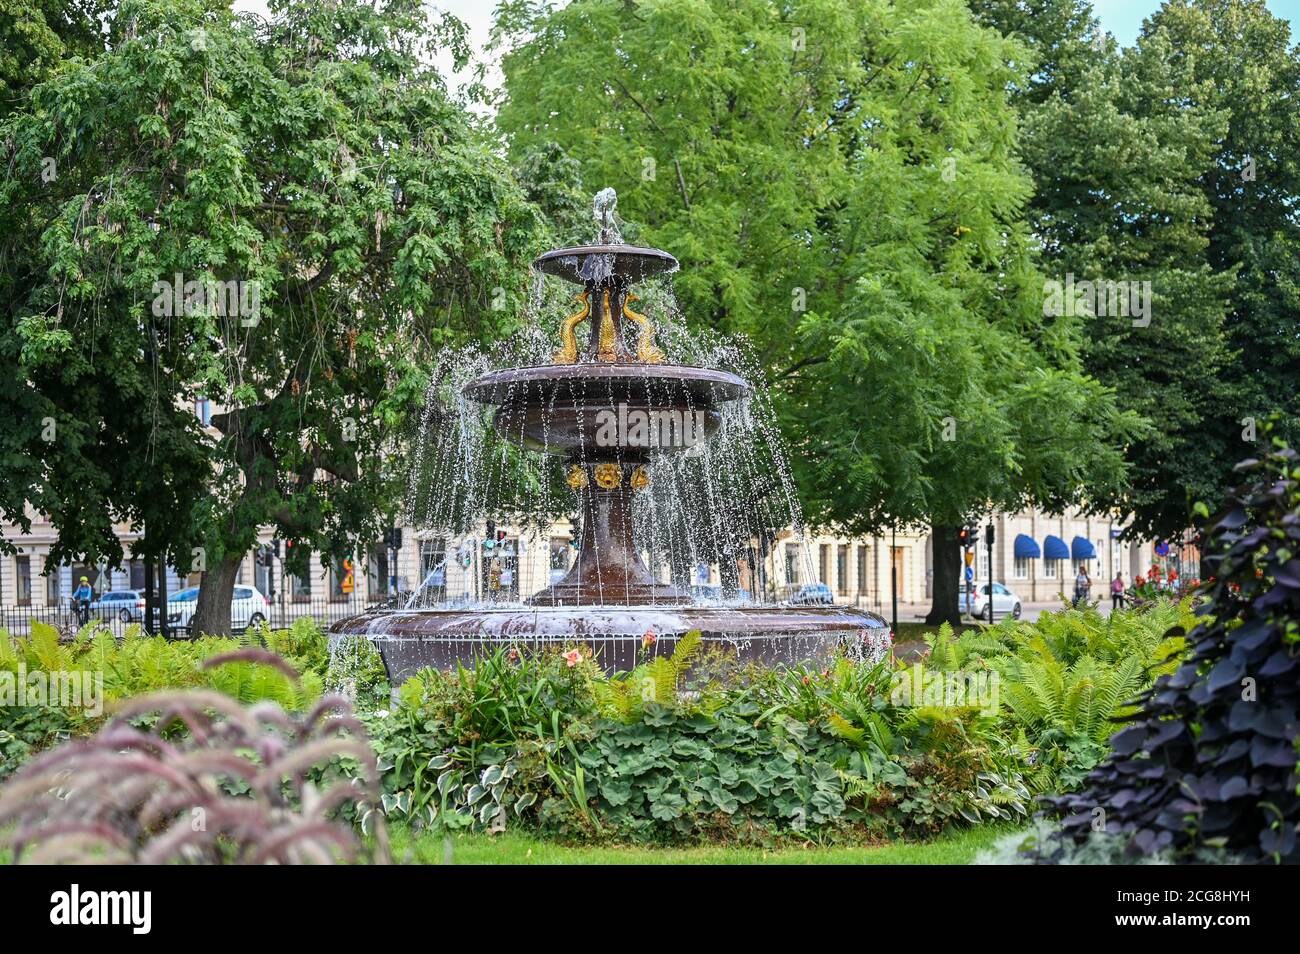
[
  {"x": 1026, "y": 548},
  {"x": 1081, "y": 549},
  {"x": 1054, "y": 548}
]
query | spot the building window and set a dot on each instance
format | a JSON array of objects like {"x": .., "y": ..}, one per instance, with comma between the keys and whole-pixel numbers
[
  {"x": 433, "y": 569},
  {"x": 792, "y": 574},
  {"x": 299, "y": 588},
  {"x": 23, "y": 580},
  {"x": 203, "y": 411},
  {"x": 842, "y": 569},
  {"x": 824, "y": 563},
  {"x": 377, "y": 572},
  {"x": 982, "y": 570},
  {"x": 51, "y": 585},
  {"x": 862, "y": 571},
  {"x": 1049, "y": 569},
  {"x": 1022, "y": 568}
]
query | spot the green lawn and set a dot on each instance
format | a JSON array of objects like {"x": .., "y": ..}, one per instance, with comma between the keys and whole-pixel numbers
[
  {"x": 473, "y": 849},
  {"x": 908, "y": 631}
]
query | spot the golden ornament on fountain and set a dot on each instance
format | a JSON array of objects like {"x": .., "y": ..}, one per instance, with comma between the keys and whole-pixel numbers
[
  {"x": 608, "y": 476},
  {"x": 568, "y": 353},
  {"x": 646, "y": 351},
  {"x": 576, "y": 478}
]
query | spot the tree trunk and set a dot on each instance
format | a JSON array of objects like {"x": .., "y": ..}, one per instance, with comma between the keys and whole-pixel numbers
[
  {"x": 944, "y": 606},
  {"x": 216, "y": 588}
]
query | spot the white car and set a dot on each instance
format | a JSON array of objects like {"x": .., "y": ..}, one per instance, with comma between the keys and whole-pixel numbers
[
  {"x": 1005, "y": 602},
  {"x": 248, "y": 608}
]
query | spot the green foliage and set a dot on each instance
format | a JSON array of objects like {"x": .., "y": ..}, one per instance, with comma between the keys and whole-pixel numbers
[
  {"x": 1208, "y": 759},
  {"x": 756, "y": 755},
  {"x": 110, "y": 670},
  {"x": 854, "y": 205},
  {"x": 1064, "y": 679},
  {"x": 314, "y": 156},
  {"x": 478, "y": 746}
]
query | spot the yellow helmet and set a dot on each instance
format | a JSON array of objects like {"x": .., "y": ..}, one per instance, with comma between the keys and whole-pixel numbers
[{"x": 85, "y": 579}]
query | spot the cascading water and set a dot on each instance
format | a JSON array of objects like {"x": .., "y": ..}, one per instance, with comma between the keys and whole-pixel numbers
[{"x": 657, "y": 445}]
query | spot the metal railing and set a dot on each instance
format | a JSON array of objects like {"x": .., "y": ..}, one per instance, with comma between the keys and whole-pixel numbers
[{"x": 17, "y": 620}]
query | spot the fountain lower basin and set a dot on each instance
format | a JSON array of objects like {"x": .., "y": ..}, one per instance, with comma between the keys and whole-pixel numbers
[{"x": 410, "y": 640}]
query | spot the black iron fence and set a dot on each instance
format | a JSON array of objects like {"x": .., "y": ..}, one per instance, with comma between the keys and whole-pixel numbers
[{"x": 17, "y": 620}]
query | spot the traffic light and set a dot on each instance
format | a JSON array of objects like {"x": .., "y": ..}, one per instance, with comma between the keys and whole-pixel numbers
[
  {"x": 963, "y": 537},
  {"x": 989, "y": 532},
  {"x": 393, "y": 538}
]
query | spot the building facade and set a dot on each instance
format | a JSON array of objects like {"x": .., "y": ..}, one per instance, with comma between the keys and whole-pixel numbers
[{"x": 1037, "y": 555}]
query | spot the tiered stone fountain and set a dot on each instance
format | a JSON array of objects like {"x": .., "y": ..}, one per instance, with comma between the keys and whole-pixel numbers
[{"x": 572, "y": 407}]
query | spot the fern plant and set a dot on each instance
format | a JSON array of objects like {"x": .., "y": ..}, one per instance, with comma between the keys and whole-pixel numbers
[{"x": 625, "y": 696}]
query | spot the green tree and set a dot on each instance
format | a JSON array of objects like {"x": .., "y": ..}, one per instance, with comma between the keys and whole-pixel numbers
[
  {"x": 840, "y": 183},
  {"x": 1117, "y": 141},
  {"x": 285, "y": 217},
  {"x": 1236, "y": 58},
  {"x": 37, "y": 36}
]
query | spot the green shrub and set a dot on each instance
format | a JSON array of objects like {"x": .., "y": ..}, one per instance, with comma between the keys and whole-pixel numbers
[
  {"x": 1066, "y": 679},
  {"x": 134, "y": 664},
  {"x": 541, "y": 741}
]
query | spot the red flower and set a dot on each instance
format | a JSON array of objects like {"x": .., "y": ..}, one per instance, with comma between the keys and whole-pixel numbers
[
  {"x": 513, "y": 655},
  {"x": 649, "y": 639}
]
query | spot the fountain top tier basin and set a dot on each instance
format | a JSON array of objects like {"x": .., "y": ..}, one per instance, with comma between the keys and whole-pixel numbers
[{"x": 595, "y": 264}]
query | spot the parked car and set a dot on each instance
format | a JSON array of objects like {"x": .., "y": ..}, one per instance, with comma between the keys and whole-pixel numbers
[
  {"x": 248, "y": 608},
  {"x": 714, "y": 593},
  {"x": 810, "y": 594},
  {"x": 124, "y": 605},
  {"x": 1005, "y": 602}
]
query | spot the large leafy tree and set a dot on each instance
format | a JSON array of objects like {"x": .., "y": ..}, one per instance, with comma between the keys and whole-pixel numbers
[
  {"x": 317, "y": 165},
  {"x": 1117, "y": 160},
  {"x": 1237, "y": 58},
  {"x": 839, "y": 180},
  {"x": 39, "y": 36}
]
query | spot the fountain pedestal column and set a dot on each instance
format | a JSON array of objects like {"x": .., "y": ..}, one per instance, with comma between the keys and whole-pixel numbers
[{"x": 608, "y": 569}]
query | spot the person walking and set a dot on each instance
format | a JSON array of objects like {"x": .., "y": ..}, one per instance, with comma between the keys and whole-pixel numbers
[
  {"x": 1082, "y": 584},
  {"x": 1117, "y": 592}
]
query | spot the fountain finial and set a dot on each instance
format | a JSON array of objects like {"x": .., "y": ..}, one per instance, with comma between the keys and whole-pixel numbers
[{"x": 603, "y": 207}]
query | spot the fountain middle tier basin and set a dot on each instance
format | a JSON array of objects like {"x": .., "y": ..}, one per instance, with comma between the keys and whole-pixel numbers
[{"x": 410, "y": 640}]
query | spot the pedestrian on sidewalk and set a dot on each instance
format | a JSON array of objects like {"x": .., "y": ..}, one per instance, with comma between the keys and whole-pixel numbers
[
  {"x": 1117, "y": 592},
  {"x": 1082, "y": 584}
]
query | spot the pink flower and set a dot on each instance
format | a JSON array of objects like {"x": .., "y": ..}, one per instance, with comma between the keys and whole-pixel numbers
[
  {"x": 805, "y": 680},
  {"x": 572, "y": 658},
  {"x": 649, "y": 639},
  {"x": 513, "y": 655}
]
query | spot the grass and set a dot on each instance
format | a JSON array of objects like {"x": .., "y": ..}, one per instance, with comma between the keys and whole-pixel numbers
[
  {"x": 914, "y": 631},
  {"x": 958, "y": 848}
]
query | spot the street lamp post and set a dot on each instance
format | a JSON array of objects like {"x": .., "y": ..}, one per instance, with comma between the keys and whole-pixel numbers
[
  {"x": 988, "y": 542},
  {"x": 893, "y": 573}
]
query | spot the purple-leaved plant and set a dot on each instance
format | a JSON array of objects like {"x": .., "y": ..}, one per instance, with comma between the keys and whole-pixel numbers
[{"x": 210, "y": 782}]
